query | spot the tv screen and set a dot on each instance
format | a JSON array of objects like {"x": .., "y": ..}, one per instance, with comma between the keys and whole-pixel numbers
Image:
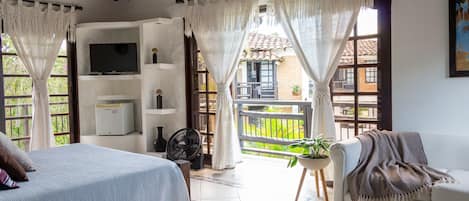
[{"x": 118, "y": 57}]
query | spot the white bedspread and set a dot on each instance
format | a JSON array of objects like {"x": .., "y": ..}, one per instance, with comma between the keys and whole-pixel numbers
[{"x": 81, "y": 172}]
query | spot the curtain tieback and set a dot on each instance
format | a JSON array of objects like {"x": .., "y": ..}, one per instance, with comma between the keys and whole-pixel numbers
[
  {"x": 322, "y": 91},
  {"x": 222, "y": 89},
  {"x": 40, "y": 85}
]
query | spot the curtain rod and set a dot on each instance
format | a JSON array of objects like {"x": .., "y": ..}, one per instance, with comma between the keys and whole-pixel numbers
[{"x": 55, "y": 4}]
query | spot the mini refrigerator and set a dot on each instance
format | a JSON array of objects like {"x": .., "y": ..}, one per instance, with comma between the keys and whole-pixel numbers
[{"x": 114, "y": 119}]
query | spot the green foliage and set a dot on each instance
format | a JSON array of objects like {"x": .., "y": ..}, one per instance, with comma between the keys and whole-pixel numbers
[{"x": 315, "y": 148}]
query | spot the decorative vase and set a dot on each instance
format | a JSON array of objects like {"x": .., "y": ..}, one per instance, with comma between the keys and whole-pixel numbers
[
  {"x": 155, "y": 55},
  {"x": 157, "y": 99},
  {"x": 160, "y": 142},
  {"x": 159, "y": 102}
]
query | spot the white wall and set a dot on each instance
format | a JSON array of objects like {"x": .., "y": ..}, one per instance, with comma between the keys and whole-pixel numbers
[
  {"x": 425, "y": 99},
  {"x": 122, "y": 10}
]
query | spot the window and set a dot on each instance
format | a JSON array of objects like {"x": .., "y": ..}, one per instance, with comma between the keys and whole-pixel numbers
[
  {"x": 206, "y": 114},
  {"x": 261, "y": 81},
  {"x": 17, "y": 100},
  {"x": 371, "y": 75},
  {"x": 362, "y": 101}
]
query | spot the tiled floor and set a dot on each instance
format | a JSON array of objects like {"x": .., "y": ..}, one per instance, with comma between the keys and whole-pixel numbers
[{"x": 255, "y": 179}]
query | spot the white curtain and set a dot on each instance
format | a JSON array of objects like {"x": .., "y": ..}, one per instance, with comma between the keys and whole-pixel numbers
[
  {"x": 37, "y": 33},
  {"x": 319, "y": 30},
  {"x": 220, "y": 28}
]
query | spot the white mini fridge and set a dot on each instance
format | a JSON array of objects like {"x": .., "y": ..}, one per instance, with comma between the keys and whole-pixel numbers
[{"x": 114, "y": 118}]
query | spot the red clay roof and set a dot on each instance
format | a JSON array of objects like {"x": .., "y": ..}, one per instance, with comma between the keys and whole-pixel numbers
[{"x": 260, "y": 46}]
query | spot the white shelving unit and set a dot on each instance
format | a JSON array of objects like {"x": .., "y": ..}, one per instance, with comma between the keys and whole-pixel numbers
[
  {"x": 166, "y": 34},
  {"x": 115, "y": 98},
  {"x": 160, "y": 66},
  {"x": 164, "y": 111},
  {"x": 109, "y": 77}
]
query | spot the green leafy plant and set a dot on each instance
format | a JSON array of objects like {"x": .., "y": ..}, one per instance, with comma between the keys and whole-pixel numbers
[
  {"x": 296, "y": 89},
  {"x": 316, "y": 148}
]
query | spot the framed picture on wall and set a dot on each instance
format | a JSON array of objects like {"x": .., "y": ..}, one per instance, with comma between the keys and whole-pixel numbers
[{"x": 459, "y": 38}]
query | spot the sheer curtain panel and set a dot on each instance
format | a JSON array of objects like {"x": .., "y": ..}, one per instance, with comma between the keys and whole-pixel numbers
[
  {"x": 220, "y": 28},
  {"x": 37, "y": 31},
  {"x": 319, "y": 30}
]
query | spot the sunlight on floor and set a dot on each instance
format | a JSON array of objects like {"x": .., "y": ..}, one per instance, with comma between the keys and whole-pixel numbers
[{"x": 255, "y": 179}]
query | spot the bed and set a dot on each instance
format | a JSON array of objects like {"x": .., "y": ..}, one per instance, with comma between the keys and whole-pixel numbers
[{"x": 82, "y": 172}]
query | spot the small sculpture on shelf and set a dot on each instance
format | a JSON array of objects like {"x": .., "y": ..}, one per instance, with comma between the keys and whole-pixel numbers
[
  {"x": 160, "y": 143},
  {"x": 155, "y": 55},
  {"x": 159, "y": 99}
]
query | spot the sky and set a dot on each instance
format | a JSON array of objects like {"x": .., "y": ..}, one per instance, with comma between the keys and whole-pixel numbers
[{"x": 367, "y": 24}]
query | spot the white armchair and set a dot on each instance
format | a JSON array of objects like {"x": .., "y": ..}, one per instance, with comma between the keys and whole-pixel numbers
[{"x": 444, "y": 152}]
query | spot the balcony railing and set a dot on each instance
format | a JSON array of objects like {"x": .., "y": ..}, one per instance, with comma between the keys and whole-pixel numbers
[
  {"x": 18, "y": 123},
  {"x": 267, "y": 126},
  {"x": 256, "y": 90}
]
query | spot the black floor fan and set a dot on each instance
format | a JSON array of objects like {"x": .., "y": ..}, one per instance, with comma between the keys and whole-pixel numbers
[{"x": 186, "y": 144}]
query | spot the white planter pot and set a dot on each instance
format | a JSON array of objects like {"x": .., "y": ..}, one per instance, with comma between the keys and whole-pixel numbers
[{"x": 314, "y": 164}]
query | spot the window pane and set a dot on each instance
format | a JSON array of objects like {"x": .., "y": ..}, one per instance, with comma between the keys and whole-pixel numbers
[
  {"x": 17, "y": 86},
  {"x": 63, "y": 48},
  {"x": 202, "y": 82},
  {"x": 211, "y": 123},
  {"x": 368, "y": 78},
  {"x": 206, "y": 141},
  {"x": 201, "y": 63},
  {"x": 212, "y": 102},
  {"x": 58, "y": 85},
  {"x": 212, "y": 86},
  {"x": 366, "y": 127},
  {"x": 344, "y": 131},
  {"x": 13, "y": 65},
  {"x": 367, "y": 51},
  {"x": 367, "y": 22},
  {"x": 343, "y": 80},
  {"x": 60, "y": 67},
  {"x": 59, "y": 107},
  {"x": 368, "y": 108},
  {"x": 60, "y": 123},
  {"x": 203, "y": 102},
  {"x": 203, "y": 123},
  {"x": 7, "y": 45},
  {"x": 347, "y": 56},
  {"x": 344, "y": 107}
]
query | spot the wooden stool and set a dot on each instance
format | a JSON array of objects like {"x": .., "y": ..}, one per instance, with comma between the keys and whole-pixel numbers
[
  {"x": 316, "y": 177},
  {"x": 185, "y": 167}
]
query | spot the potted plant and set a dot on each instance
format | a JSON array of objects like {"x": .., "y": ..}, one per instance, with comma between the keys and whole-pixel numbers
[
  {"x": 296, "y": 90},
  {"x": 315, "y": 153}
]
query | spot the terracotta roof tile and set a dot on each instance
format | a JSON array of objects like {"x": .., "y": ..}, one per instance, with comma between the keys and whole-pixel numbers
[{"x": 260, "y": 46}]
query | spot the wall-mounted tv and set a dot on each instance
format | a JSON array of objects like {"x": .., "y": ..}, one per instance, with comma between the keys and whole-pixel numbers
[{"x": 114, "y": 58}]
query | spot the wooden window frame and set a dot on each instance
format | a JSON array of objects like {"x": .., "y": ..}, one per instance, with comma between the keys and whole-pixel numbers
[{"x": 383, "y": 65}]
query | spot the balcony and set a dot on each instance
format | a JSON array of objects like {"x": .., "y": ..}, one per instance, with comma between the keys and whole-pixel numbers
[
  {"x": 18, "y": 121},
  {"x": 256, "y": 90},
  {"x": 268, "y": 126}
]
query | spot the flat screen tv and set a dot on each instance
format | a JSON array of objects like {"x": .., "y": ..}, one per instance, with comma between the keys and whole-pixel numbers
[{"x": 114, "y": 58}]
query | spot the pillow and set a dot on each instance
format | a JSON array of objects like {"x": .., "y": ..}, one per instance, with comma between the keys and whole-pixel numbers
[
  {"x": 11, "y": 166},
  {"x": 6, "y": 182},
  {"x": 17, "y": 153}
]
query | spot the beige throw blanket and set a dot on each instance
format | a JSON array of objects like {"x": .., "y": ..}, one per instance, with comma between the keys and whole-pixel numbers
[{"x": 392, "y": 167}]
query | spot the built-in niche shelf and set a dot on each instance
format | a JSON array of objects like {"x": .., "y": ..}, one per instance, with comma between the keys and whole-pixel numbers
[
  {"x": 115, "y": 98},
  {"x": 160, "y": 66},
  {"x": 163, "y": 111},
  {"x": 109, "y": 77}
]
